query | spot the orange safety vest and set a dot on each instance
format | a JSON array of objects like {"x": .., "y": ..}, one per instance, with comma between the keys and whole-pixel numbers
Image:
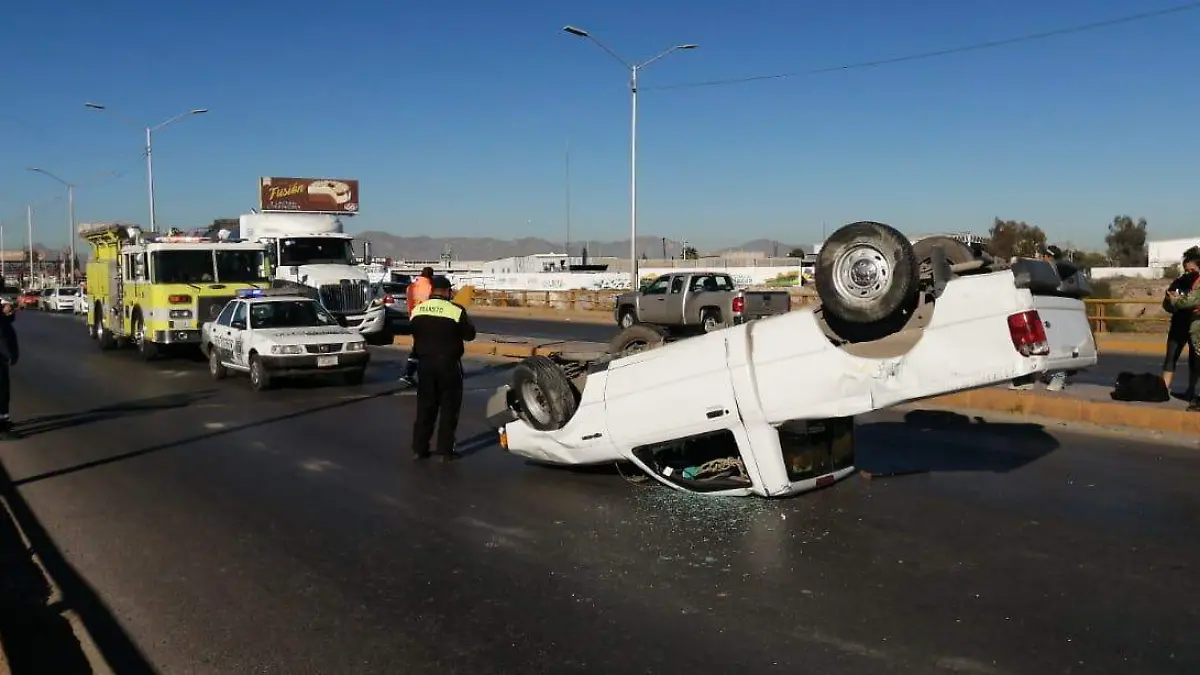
[{"x": 418, "y": 291}]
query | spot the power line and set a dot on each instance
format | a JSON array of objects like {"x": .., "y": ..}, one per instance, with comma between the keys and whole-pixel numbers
[{"x": 1029, "y": 37}]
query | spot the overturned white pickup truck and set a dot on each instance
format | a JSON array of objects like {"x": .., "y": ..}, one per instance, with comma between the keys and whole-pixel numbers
[{"x": 766, "y": 408}]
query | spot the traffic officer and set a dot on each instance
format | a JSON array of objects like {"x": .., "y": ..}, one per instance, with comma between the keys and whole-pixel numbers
[
  {"x": 418, "y": 291},
  {"x": 10, "y": 351},
  {"x": 1190, "y": 302},
  {"x": 439, "y": 328}
]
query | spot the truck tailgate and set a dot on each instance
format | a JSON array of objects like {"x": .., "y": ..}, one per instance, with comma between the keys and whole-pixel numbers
[
  {"x": 759, "y": 304},
  {"x": 1072, "y": 345}
]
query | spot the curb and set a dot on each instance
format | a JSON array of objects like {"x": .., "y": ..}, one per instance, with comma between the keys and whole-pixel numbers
[
  {"x": 1064, "y": 409},
  {"x": 1034, "y": 404},
  {"x": 1106, "y": 343}
]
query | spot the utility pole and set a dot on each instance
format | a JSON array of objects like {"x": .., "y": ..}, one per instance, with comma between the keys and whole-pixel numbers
[{"x": 29, "y": 224}]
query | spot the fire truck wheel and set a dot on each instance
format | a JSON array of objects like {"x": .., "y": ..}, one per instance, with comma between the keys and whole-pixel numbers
[{"x": 147, "y": 349}]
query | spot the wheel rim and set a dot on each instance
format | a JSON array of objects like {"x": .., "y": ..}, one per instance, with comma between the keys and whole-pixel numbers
[
  {"x": 255, "y": 374},
  {"x": 535, "y": 402},
  {"x": 626, "y": 320},
  {"x": 710, "y": 324},
  {"x": 214, "y": 363},
  {"x": 862, "y": 273}
]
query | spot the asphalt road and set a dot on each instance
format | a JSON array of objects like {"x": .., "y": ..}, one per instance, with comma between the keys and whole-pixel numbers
[
  {"x": 199, "y": 527},
  {"x": 1105, "y": 372}
]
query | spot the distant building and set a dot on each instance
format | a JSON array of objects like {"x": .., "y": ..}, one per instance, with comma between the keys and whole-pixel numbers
[{"x": 1168, "y": 252}]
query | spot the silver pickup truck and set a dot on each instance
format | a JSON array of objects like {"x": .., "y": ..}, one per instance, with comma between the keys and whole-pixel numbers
[{"x": 699, "y": 300}]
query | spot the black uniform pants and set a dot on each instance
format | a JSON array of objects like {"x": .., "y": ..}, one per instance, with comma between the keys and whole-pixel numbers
[
  {"x": 5, "y": 385},
  {"x": 439, "y": 399}
]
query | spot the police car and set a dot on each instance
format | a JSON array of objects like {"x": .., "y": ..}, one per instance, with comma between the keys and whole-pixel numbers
[{"x": 269, "y": 334}]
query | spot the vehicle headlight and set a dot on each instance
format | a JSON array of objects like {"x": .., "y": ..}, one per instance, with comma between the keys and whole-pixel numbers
[
  {"x": 287, "y": 349},
  {"x": 181, "y": 314},
  {"x": 356, "y": 346}
]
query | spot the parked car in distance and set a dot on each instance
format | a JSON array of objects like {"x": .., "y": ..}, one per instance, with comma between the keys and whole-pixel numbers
[
  {"x": 29, "y": 299},
  {"x": 60, "y": 299},
  {"x": 702, "y": 300},
  {"x": 394, "y": 299}
]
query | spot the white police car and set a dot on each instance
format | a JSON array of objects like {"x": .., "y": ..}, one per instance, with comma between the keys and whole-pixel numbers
[{"x": 269, "y": 334}]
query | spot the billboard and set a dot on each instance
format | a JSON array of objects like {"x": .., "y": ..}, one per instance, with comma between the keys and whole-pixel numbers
[{"x": 308, "y": 195}]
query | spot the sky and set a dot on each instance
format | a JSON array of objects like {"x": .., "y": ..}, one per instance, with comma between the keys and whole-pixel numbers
[{"x": 457, "y": 116}]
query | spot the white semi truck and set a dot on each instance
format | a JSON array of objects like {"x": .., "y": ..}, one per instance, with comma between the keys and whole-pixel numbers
[{"x": 313, "y": 250}]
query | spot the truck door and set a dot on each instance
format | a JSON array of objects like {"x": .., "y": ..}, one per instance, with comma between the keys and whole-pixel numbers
[
  {"x": 652, "y": 305},
  {"x": 675, "y": 309}
]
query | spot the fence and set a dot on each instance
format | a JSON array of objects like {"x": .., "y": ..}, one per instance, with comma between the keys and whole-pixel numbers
[{"x": 1104, "y": 315}]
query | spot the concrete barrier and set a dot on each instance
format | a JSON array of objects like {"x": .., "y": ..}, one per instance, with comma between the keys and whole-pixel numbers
[{"x": 1033, "y": 404}]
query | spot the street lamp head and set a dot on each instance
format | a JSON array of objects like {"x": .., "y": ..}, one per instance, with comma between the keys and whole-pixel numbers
[
  {"x": 576, "y": 31},
  {"x": 687, "y": 46},
  {"x": 34, "y": 168},
  {"x": 198, "y": 111},
  {"x": 93, "y": 106}
]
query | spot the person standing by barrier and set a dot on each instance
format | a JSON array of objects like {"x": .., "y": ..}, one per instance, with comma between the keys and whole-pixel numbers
[
  {"x": 1178, "y": 333},
  {"x": 1189, "y": 304},
  {"x": 417, "y": 292},
  {"x": 10, "y": 352},
  {"x": 439, "y": 328}
]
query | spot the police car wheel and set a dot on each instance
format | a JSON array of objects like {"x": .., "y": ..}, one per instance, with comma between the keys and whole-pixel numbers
[
  {"x": 217, "y": 370},
  {"x": 259, "y": 379}
]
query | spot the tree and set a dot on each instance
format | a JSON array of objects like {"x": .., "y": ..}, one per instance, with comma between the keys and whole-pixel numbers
[
  {"x": 796, "y": 253},
  {"x": 1127, "y": 242},
  {"x": 1015, "y": 238},
  {"x": 1086, "y": 260},
  {"x": 689, "y": 253}
]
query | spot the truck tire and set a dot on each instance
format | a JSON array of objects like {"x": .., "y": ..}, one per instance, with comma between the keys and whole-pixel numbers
[
  {"x": 710, "y": 320},
  {"x": 637, "y": 338},
  {"x": 626, "y": 318},
  {"x": 104, "y": 337},
  {"x": 146, "y": 348},
  {"x": 215, "y": 367},
  {"x": 866, "y": 273},
  {"x": 956, "y": 251},
  {"x": 546, "y": 398}
]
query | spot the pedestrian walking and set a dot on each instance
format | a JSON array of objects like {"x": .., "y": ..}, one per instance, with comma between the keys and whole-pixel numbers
[
  {"x": 1189, "y": 304},
  {"x": 417, "y": 292},
  {"x": 439, "y": 328},
  {"x": 1178, "y": 332},
  {"x": 10, "y": 352}
]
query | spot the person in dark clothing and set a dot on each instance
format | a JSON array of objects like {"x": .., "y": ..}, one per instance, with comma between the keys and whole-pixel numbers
[
  {"x": 1179, "y": 332},
  {"x": 439, "y": 328},
  {"x": 10, "y": 353}
]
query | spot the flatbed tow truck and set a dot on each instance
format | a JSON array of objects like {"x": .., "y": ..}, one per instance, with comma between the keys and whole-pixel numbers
[{"x": 154, "y": 291}]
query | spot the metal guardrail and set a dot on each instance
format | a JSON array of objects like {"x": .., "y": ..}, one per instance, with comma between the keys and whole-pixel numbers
[{"x": 1104, "y": 315}]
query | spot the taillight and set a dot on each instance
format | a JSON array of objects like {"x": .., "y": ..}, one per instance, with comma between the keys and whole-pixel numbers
[
  {"x": 388, "y": 299},
  {"x": 1028, "y": 334},
  {"x": 179, "y": 299},
  {"x": 739, "y": 304}
]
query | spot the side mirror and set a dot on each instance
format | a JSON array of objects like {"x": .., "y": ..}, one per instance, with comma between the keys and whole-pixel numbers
[{"x": 239, "y": 325}]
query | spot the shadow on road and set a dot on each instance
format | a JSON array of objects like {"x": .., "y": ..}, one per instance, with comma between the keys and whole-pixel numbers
[
  {"x": 35, "y": 635},
  {"x": 944, "y": 441},
  {"x": 225, "y": 431},
  {"x": 48, "y": 423}
]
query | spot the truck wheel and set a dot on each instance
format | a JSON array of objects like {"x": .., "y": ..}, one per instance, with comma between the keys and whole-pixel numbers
[
  {"x": 636, "y": 338},
  {"x": 104, "y": 337},
  {"x": 546, "y": 397},
  {"x": 626, "y": 318},
  {"x": 710, "y": 320},
  {"x": 956, "y": 251},
  {"x": 866, "y": 272},
  {"x": 147, "y": 349},
  {"x": 259, "y": 378},
  {"x": 215, "y": 368}
]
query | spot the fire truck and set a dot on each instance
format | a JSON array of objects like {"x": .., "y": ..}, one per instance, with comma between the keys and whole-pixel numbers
[{"x": 154, "y": 291}]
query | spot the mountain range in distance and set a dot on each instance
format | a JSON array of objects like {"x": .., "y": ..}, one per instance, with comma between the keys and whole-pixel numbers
[{"x": 385, "y": 245}]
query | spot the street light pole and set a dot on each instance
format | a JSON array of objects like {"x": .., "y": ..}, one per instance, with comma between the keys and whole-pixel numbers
[
  {"x": 29, "y": 224},
  {"x": 150, "y": 151},
  {"x": 70, "y": 213},
  {"x": 634, "y": 69}
]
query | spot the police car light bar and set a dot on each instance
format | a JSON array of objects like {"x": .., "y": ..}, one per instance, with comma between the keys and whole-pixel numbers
[{"x": 250, "y": 293}]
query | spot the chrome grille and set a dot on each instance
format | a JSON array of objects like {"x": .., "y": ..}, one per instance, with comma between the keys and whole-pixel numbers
[
  {"x": 346, "y": 297},
  {"x": 326, "y": 348}
]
